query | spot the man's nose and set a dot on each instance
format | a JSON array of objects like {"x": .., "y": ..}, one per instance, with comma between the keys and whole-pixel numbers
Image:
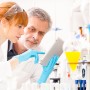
[{"x": 35, "y": 36}]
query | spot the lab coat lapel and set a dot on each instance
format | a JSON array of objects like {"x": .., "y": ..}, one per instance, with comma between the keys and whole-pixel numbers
[{"x": 4, "y": 48}]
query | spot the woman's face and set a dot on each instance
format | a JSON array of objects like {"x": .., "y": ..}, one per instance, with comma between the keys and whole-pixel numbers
[{"x": 15, "y": 32}]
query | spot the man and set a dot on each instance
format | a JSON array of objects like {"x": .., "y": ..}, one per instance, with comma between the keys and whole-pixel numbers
[{"x": 39, "y": 24}]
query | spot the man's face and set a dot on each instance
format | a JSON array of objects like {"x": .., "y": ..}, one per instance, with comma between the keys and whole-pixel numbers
[{"x": 34, "y": 32}]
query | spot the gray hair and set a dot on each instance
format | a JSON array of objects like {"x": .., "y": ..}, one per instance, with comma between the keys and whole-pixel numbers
[{"x": 41, "y": 14}]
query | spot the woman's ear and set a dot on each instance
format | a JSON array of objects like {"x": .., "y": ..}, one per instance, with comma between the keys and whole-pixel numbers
[
  {"x": 4, "y": 22},
  {"x": 5, "y": 25}
]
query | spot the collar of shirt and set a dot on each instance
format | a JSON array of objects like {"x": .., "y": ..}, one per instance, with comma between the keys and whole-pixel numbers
[
  {"x": 11, "y": 52},
  {"x": 10, "y": 46}
]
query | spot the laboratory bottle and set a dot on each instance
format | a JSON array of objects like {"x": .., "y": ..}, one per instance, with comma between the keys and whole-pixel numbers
[
  {"x": 84, "y": 67},
  {"x": 68, "y": 82},
  {"x": 65, "y": 84}
]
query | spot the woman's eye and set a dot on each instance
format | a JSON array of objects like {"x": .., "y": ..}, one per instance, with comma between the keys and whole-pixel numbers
[{"x": 20, "y": 26}]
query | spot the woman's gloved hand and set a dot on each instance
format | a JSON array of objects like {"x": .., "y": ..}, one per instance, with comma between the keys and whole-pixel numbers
[
  {"x": 48, "y": 69},
  {"x": 29, "y": 54}
]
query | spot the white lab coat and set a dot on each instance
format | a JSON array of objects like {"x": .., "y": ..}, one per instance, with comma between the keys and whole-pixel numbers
[
  {"x": 25, "y": 71},
  {"x": 5, "y": 68}
]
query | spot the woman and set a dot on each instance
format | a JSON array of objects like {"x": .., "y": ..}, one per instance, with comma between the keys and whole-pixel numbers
[{"x": 13, "y": 19}]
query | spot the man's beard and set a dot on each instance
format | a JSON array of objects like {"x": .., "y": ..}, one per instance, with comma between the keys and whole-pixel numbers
[{"x": 33, "y": 47}]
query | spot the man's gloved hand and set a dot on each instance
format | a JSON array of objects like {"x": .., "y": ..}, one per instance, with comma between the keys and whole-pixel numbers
[
  {"x": 29, "y": 54},
  {"x": 88, "y": 26},
  {"x": 48, "y": 69}
]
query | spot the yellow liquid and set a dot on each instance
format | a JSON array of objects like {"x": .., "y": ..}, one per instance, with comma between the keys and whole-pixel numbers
[{"x": 73, "y": 58}]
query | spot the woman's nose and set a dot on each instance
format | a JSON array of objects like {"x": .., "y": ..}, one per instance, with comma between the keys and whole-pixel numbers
[{"x": 21, "y": 31}]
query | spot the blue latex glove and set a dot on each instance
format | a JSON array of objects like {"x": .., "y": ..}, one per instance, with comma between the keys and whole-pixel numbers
[
  {"x": 29, "y": 54},
  {"x": 48, "y": 69},
  {"x": 88, "y": 27}
]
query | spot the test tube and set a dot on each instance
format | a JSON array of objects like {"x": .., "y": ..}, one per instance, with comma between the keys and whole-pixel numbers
[
  {"x": 76, "y": 84},
  {"x": 81, "y": 88},
  {"x": 84, "y": 84}
]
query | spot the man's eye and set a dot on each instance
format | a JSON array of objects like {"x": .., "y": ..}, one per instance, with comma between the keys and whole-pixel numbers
[
  {"x": 41, "y": 33},
  {"x": 33, "y": 29}
]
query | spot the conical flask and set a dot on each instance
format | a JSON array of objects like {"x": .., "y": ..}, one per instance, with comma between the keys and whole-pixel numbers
[{"x": 73, "y": 58}]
